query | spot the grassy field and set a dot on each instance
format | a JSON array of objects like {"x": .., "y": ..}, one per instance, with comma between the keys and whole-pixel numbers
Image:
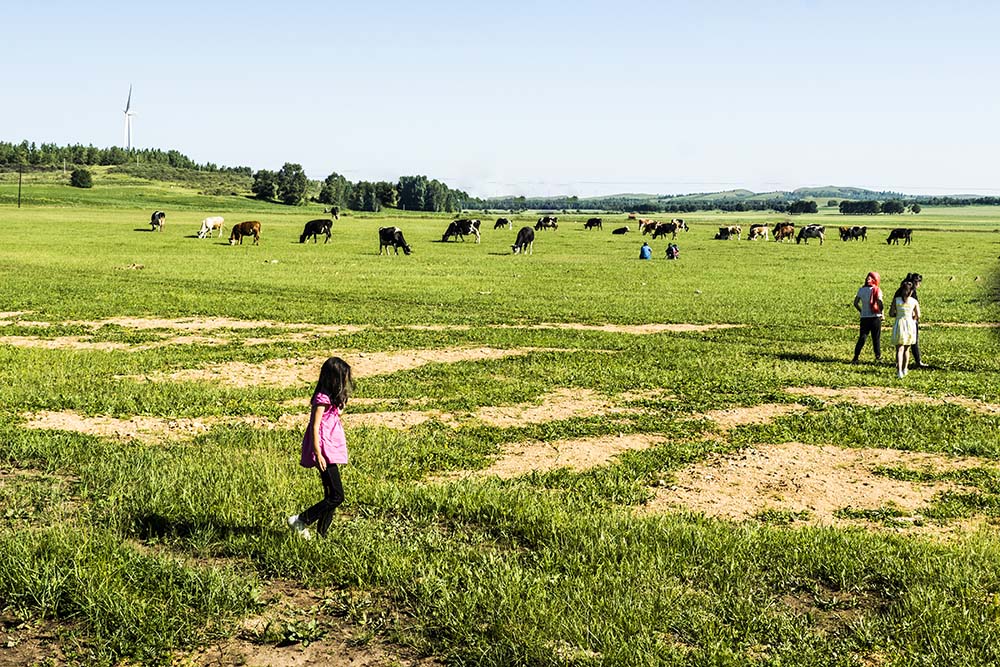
[{"x": 153, "y": 386}]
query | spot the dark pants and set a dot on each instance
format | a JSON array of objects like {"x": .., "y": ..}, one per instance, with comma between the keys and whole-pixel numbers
[
  {"x": 333, "y": 496},
  {"x": 873, "y": 326},
  {"x": 915, "y": 348}
]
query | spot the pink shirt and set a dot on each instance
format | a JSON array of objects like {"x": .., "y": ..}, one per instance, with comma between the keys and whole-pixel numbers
[{"x": 332, "y": 441}]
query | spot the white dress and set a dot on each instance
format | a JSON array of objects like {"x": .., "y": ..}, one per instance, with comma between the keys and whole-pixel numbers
[{"x": 904, "y": 329}]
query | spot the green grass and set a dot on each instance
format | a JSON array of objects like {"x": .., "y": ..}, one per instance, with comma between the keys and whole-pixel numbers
[{"x": 138, "y": 550}]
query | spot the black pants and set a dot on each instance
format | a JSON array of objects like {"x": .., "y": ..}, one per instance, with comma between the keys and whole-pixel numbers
[
  {"x": 873, "y": 326},
  {"x": 333, "y": 496},
  {"x": 915, "y": 348}
]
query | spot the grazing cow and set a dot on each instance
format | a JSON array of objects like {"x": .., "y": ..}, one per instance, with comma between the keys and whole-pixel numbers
[
  {"x": 621, "y": 230},
  {"x": 547, "y": 222},
  {"x": 811, "y": 232},
  {"x": 853, "y": 233},
  {"x": 680, "y": 223},
  {"x": 525, "y": 241},
  {"x": 784, "y": 230},
  {"x": 503, "y": 222},
  {"x": 392, "y": 236},
  {"x": 757, "y": 231},
  {"x": 156, "y": 220},
  {"x": 631, "y": 216},
  {"x": 646, "y": 225},
  {"x": 208, "y": 225},
  {"x": 314, "y": 228},
  {"x": 461, "y": 229},
  {"x": 726, "y": 233},
  {"x": 897, "y": 234},
  {"x": 248, "y": 228},
  {"x": 664, "y": 228},
  {"x": 594, "y": 223}
]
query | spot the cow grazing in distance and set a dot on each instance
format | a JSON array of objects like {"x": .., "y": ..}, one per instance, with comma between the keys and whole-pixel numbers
[
  {"x": 547, "y": 222},
  {"x": 784, "y": 230},
  {"x": 853, "y": 233},
  {"x": 757, "y": 231},
  {"x": 594, "y": 223},
  {"x": 156, "y": 221},
  {"x": 664, "y": 228},
  {"x": 621, "y": 230},
  {"x": 811, "y": 232},
  {"x": 730, "y": 232},
  {"x": 208, "y": 225},
  {"x": 314, "y": 228},
  {"x": 647, "y": 225},
  {"x": 525, "y": 241},
  {"x": 248, "y": 228},
  {"x": 680, "y": 223},
  {"x": 392, "y": 237},
  {"x": 503, "y": 222},
  {"x": 899, "y": 233},
  {"x": 461, "y": 229}
]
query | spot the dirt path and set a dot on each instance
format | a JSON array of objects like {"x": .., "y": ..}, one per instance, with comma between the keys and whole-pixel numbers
[{"x": 881, "y": 397}]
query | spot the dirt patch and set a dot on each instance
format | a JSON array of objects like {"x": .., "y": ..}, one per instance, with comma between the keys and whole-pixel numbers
[
  {"x": 147, "y": 429},
  {"x": 880, "y": 397},
  {"x": 560, "y": 404},
  {"x": 296, "y": 372},
  {"x": 211, "y": 323},
  {"x": 636, "y": 329},
  {"x": 799, "y": 478},
  {"x": 731, "y": 418},
  {"x": 29, "y": 642},
  {"x": 62, "y": 343},
  {"x": 275, "y": 637},
  {"x": 580, "y": 454}
]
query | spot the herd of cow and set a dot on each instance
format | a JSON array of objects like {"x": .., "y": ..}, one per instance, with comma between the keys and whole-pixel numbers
[{"x": 392, "y": 237}]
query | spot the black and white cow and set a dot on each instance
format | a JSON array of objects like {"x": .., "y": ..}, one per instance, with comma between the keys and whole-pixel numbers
[
  {"x": 503, "y": 222},
  {"x": 621, "y": 230},
  {"x": 461, "y": 229},
  {"x": 314, "y": 228},
  {"x": 547, "y": 222},
  {"x": 156, "y": 220},
  {"x": 811, "y": 232},
  {"x": 525, "y": 241},
  {"x": 594, "y": 223},
  {"x": 392, "y": 237}
]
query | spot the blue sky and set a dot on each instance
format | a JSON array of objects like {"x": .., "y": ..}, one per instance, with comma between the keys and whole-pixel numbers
[{"x": 528, "y": 97}]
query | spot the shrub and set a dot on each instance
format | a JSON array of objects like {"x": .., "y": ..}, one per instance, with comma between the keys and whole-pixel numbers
[{"x": 81, "y": 178}]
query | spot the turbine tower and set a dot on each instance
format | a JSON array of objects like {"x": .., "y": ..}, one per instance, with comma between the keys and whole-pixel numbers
[{"x": 128, "y": 120}]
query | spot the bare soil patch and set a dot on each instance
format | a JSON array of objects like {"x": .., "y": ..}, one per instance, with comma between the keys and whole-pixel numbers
[
  {"x": 27, "y": 642},
  {"x": 295, "y": 372},
  {"x": 338, "y": 644},
  {"x": 62, "y": 343},
  {"x": 880, "y": 397},
  {"x": 730, "y": 418},
  {"x": 560, "y": 404},
  {"x": 579, "y": 454},
  {"x": 636, "y": 329},
  {"x": 796, "y": 477},
  {"x": 212, "y": 323}
]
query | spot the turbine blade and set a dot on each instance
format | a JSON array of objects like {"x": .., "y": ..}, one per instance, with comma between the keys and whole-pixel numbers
[{"x": 128, "y": 102}]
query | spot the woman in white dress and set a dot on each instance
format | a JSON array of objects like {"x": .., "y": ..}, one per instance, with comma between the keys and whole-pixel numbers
[{"x": 906, "y": 310}]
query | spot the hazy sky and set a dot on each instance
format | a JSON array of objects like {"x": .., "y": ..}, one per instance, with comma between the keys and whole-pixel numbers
[{"x": 527, "y": 97}]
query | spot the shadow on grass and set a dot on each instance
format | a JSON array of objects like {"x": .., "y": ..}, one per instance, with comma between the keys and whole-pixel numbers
[{"x": 158, "y": 526}]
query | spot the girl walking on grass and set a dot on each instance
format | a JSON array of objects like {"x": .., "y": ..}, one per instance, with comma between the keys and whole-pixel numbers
[
  {"x": 906, "y": 310},
  {"x": 868, "y": 303},
  {"x": 324, "y": 445}
]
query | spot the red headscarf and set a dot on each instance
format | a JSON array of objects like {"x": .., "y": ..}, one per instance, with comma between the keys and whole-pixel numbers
[{"x": 872, "y": 281}]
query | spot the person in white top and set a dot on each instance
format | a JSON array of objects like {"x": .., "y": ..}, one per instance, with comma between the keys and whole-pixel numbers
[
  {"x": 906, "y": 310},
  {"x": 868, "y": 303}
]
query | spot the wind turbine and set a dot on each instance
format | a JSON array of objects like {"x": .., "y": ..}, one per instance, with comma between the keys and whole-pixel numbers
[{"x": 128, "y": 120}]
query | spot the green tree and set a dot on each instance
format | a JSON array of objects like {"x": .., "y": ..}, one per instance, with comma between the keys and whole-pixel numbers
[
  {"x": 387, "y": 194},
  {"x": 915, "y": 208},
  {"x": 265, "y": 185},
  {"x": 336, "y": 190},
  {"x": 81, "y": 178},
  {"x": 292, "y": 183}
]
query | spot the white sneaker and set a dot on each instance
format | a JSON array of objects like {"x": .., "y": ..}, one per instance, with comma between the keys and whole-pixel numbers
[
  {"x": 298, "y": 527},
  {"x": 899, "y": 374}
]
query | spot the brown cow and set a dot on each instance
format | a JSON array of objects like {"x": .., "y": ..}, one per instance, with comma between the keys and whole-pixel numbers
[
  {"x": 647, "y": 225},
  {"x": 784, "y": 230},
  {"x": 248, "y": 228}
]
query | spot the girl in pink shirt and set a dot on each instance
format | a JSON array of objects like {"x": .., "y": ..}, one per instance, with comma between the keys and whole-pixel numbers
[{"x": 324, "y": 445}]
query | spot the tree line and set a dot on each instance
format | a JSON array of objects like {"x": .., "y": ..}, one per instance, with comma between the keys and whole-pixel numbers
[
  {"x": 874, "y": 207},
  {"x": 52, "y": 156}
]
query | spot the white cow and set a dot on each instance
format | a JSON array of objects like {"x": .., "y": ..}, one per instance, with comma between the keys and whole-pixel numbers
[{"x": 208, "y": 225}]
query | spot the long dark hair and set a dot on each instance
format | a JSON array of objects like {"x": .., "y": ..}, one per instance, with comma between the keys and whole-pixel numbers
[
  {"x": 335, "y": 381},
  {"x": 905, "y": 291}
]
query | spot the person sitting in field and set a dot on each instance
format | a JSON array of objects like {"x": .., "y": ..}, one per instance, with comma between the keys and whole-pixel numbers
[
  {"x": 672, "y": 251},
  {"x": 645, "y": 252}
]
